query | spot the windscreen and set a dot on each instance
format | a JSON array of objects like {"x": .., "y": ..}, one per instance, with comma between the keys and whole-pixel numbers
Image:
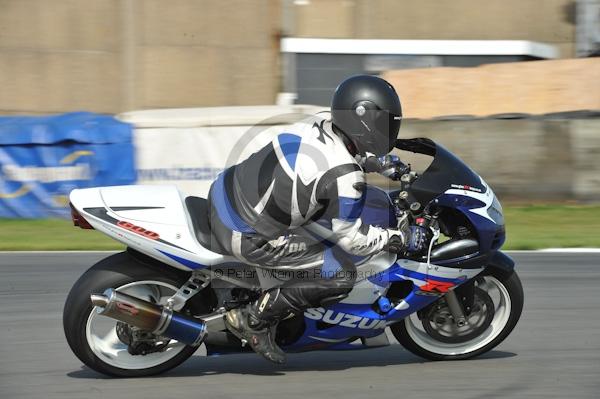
[{"x": 445, "y": 172}]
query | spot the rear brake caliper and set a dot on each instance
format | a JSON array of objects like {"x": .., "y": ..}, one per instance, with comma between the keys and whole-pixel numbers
[{"x": 139, "y": 342}]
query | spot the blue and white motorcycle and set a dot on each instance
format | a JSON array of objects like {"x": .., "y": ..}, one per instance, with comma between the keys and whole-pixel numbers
[{"x": 148, "y": 309}]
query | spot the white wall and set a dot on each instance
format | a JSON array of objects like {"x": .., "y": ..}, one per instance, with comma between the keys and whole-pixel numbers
[{"x": 189, "y": 147}]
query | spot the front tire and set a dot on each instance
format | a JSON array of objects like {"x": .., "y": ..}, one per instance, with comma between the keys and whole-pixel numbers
[
  {"x": 419, "y": 338},
  {"x": 104, "y": 352}
]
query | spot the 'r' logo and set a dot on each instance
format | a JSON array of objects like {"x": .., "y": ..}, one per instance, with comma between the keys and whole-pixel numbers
[{"x": 436, "y": 286}]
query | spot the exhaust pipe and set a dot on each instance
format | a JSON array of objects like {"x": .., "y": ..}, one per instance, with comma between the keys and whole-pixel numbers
[{"x": 149, "y": 317}]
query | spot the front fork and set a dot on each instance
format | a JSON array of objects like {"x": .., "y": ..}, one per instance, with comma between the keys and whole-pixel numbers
[
  {"x": 461, "y": 299},
  {"x": 456, "y": 309}
]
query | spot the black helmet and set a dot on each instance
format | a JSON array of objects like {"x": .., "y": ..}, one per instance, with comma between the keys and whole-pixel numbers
[{"x": 367, "y": 110}]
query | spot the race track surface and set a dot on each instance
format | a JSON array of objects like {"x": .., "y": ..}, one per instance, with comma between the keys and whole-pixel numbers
[{"x": 554, "y": 351}]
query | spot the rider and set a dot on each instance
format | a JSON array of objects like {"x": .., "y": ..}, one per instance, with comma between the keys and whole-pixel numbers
[{"x": 308, "y": 183}]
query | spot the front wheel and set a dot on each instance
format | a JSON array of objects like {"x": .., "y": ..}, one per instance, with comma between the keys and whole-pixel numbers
[
  {"x": 496, "y": 309},
  {"x": 104, "y": 344}
]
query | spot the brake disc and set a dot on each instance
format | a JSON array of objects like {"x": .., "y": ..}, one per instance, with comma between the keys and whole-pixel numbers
[{"x": 439, "y": 324}]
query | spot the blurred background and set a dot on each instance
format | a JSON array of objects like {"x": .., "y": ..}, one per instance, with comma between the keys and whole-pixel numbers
[{"x": 169, "y": 87}]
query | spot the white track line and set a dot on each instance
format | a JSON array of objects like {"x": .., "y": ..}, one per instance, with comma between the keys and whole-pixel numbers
[{"x": 571, "y": 250}]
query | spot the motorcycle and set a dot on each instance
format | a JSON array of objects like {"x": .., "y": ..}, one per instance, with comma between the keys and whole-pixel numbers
[{"x": 146, "y": 310}]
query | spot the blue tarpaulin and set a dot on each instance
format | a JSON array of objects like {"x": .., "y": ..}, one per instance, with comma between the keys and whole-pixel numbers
[{"x": 43, "y": 158}]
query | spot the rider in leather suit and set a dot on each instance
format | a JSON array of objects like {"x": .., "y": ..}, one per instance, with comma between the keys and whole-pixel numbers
[{"x": 307, "y": 183}]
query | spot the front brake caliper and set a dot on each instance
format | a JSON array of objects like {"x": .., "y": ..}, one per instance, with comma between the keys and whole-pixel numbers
[{"x": 465, "y": 293}]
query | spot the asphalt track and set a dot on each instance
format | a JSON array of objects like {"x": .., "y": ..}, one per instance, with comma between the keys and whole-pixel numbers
[{"x": 554, "y": 351}]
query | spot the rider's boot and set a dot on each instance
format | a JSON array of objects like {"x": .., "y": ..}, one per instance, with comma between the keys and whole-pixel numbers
[{"x": 256, "y": 323}]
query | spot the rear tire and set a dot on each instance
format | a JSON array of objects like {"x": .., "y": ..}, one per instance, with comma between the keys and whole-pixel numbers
[
  {"x": 116, "y": 271},
  {"x": 425, "y": 345}
]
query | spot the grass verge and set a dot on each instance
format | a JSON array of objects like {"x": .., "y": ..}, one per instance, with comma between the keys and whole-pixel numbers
[
  {"x": 50, "y": 235},
  {"x": 528, "y": 227},
  {"x": 552, "y": 226}
]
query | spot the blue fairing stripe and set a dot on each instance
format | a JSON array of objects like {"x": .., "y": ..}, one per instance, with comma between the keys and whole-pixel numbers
[
  {"x": 229, "y": 217},
  {"x": 183, "y": 261}
]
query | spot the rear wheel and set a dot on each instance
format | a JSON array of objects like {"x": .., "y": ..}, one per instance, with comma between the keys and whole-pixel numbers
[
  {"x": 104, "y": 344},
  {"x": 496, "y": 309}
]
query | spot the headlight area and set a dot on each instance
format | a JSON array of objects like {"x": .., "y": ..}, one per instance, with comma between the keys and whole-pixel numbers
[{"x": 495, "y": 212}]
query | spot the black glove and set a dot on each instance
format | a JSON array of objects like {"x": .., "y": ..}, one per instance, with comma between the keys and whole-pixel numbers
[
  {"x": 412, "y": 239},
  {"x": 395, "y": 244},
  {"x": 388, "y": 165},
  {"x": 416, "y": 239}
]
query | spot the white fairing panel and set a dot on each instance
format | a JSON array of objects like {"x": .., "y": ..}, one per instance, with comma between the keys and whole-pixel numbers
[
  {"x": 155, "y": 204},
  {"x": 150, "y": 219},
  {"x": 436, "y": 271},
  {"x": 364, "y": 291}
]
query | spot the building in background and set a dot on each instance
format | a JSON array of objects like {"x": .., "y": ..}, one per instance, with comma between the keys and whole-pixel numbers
[
  {"x": 314, "y": 67},
  {"x": 406, "y": 35},
  {"x": 117, "y": 55}
]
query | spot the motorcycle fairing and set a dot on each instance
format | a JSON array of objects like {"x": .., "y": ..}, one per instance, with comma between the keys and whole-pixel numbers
[
  {"x": 337, "y": 325},
  {"x": 484, "y": 212},
  {"x": 449, "y": 182},
  {"x": 128, "y": 213}
]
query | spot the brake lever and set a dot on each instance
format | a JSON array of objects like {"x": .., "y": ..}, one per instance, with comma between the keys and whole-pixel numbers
[{"x": 436, "y": 235}]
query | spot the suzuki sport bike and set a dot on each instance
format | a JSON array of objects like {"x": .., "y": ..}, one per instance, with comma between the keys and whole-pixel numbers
[{"x": 147, "y": 309}]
